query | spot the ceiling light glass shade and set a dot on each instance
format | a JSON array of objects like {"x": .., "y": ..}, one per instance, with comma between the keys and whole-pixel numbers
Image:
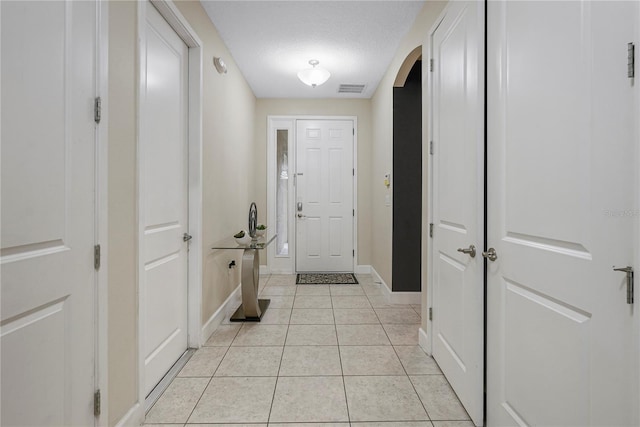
[{"x": 314, "y": 76}]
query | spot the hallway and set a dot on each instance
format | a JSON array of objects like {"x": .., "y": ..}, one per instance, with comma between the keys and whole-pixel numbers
[{"x": 322, "y": 354}]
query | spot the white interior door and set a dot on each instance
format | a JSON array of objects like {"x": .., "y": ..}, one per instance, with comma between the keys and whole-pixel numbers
[
  {"x": 458, "y": 200},
  {"x": 561, "y": 172},
  {"x": 324, "y": 195},
  {"x": 48, "y": 189},
  {"x": 164, "y": 203}
]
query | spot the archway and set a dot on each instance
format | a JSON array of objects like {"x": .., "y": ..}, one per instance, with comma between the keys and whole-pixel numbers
[{"x": 407, "y": 175}]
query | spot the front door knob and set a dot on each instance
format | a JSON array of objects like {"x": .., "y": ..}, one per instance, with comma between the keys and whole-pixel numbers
[{"x": 491, "y": 254}]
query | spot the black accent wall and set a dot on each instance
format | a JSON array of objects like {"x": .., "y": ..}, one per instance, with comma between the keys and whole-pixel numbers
[{"x": 407, "y": 182}]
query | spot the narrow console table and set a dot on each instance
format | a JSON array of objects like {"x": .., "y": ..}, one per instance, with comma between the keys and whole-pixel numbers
[{"x": 252, "y": 309}]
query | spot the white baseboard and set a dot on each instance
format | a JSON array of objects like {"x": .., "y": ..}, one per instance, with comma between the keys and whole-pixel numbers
[
  {"x": 133, "y": 417},
  {"x": 281, "y": 271},
  {"x": 225, "y": 310},
  {"x": 424, "y": 342},
  {"x": 378, "y": 279},
  {"x": 396, "y": 297},
  {"x": 363, "y": 269},
  {"x": 266, "y": 270}
]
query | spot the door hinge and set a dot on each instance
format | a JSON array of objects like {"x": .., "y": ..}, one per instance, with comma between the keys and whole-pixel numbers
[
  {"x": 353, "y": 131},
  {"x": 631, "y": 60},
  {"x": 353, "y": 172},
  {"x": 430, "y": 313},
  {"x": 431, "y": 147},
  {"x": 431, "y": 230},
  {"x": 431, "y": 64},
  {"x": 97, "y": 109},
  {"x": 96, "y": 403},
  {"x": 353, "y": 253},
  {"x": 354, "y": 212},
  {"x": 96, "y": 257}
]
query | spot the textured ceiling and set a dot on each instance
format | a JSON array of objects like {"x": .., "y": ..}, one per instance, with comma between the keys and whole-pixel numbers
[{"x": 272, "y": 40}]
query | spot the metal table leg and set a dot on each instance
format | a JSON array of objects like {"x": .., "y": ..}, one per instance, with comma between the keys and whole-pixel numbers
[{"x": 252, "y": 309}]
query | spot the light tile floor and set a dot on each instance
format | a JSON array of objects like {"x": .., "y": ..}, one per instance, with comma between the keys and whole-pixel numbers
[{"x": 332, "y": 355}]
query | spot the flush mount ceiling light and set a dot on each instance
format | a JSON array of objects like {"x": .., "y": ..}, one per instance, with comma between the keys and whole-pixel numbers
[{"x": 314, "y": 76}]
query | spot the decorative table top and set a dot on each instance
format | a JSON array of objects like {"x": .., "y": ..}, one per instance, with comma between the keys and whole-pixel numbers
[{"x": 259, "y": 243}]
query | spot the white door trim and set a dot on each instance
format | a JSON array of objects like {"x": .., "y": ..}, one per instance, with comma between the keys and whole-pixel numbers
[
  {"x": 271, "y": 191},
  {"x": 428, "y": 189},
  {"x": 181, "y": 26},
  {"x": 637, "y": 212},
  {"x": 101, "y": 212}
]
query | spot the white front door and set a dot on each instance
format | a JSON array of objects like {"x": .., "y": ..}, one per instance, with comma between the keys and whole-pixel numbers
[
  {"x": 561, "y": 171},
  {"x": 324, "y": 195},
  {"x": 48, "y": 215},
  {"x": 163, "y": 204},
  {"x": 458, "y": 200}
]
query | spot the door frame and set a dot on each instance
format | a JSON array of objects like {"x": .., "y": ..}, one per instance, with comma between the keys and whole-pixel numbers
[
  {"x": 637, "y": 212},
  {"x": 275, "y": 122},
  {"x": 181, "y": 26},
  {"x": 101, "y": 282},
  {"x": 426, "y": 342}
]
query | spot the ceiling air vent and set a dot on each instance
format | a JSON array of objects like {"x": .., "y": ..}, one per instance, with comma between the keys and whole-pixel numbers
[{"x": 351, "y": 88}]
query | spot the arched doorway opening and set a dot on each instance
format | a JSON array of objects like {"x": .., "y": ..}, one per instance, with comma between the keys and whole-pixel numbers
[{"x": 407, "y": 175}]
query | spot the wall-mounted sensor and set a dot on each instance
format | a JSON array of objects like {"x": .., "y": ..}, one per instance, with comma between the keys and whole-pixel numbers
[
  {"x": 387, "y": 179},
  {"x": 220, "y": 65}
]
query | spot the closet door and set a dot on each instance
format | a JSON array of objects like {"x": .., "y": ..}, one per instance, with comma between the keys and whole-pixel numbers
[
  {"x": 48, "y": 212},
  {"x": 562, "y": 157}
]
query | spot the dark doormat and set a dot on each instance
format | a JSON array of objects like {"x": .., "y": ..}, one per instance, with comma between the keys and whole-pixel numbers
[{"x": 326, "y": 279}]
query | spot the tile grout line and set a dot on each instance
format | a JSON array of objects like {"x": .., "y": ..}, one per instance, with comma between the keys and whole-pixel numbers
[
  {"x": 333, "y": 308},
  {"x": 205, "y": 387},
  {"x": 213, "y": 374},
  {"x": 411, "y": 382},
  {"x": 275, "y": 386},
  {"x": 209, "y": 382},
  {"x": 405, "y": 371},
  {"x": 344, "y": 385}
]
